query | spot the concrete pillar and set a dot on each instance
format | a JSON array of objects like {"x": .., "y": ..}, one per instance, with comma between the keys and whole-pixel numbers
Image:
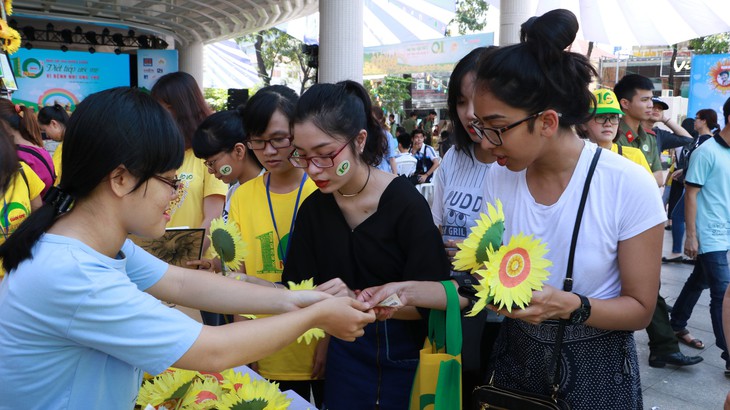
[
  {"x": 340, "y": 40},
  {"x": 512, "y": 14},
  {"x": 191, "y": 60}
]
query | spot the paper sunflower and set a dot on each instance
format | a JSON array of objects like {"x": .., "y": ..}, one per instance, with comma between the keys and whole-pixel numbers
[
  {"x": 203, "y": 394},
  {"x": 314, "y": 333},
  {"x": 515, "y": 270},
  {"x": 168, "y": 388},
  {"x": 10, "y": 38},
  {"x": 485, "y": 237},
  {"x": 255, "y": 395},
  {"x": 484, "y": 298},
  {"x": 8, "y": 7},
  {"x": 227, "y": 243}
]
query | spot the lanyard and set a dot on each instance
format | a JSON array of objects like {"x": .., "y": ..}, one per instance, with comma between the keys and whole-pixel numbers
[{"x": 293, "y": 217}]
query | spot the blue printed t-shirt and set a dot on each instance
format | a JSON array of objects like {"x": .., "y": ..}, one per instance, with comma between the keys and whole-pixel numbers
[
  {"x": 77, "y": 328},
  {"x": 710, "y": 170}
]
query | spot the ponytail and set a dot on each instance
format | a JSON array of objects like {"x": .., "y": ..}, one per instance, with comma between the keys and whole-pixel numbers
[{"x": 17, "y": 246}]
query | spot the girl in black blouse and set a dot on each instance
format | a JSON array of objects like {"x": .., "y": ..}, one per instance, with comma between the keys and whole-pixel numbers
[{"x": 362, "y": 228}]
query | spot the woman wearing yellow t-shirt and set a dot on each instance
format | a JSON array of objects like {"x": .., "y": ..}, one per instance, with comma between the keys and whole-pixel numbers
[
  {"x": 265, "y": 208},
  {"x": 20, "y": 188},
  {"x": 202, "y": 197},
  {"x": 52, "y": 120},
  {"x": 601, "y": 129}
]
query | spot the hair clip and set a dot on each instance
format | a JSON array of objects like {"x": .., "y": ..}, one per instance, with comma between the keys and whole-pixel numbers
[{"x": 59, "y": 200}]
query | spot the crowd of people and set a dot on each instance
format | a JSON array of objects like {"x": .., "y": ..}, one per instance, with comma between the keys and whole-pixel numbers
[{"x": 322, "y": 186}]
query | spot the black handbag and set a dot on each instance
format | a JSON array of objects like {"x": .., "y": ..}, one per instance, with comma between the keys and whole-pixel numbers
[{"x": 494, "y": 397}]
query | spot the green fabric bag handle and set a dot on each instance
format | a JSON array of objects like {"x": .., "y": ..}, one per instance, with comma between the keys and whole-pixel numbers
[{"x": 444, "y": 327}]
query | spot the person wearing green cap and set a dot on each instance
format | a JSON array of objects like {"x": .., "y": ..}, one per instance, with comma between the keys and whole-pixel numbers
[{"x": 602, "y": 128}]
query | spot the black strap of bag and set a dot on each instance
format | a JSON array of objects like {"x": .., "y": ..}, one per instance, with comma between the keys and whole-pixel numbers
[
  {"x": 554, "y": 369},
  {"x": 40, "y": 158}
]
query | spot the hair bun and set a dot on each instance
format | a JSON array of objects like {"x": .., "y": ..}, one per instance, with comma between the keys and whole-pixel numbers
[{"x": 554, "y": 30}]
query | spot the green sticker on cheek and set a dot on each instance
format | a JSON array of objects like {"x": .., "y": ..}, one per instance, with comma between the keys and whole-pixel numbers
[
  {"x": 343, "y": 168},
  {"x": 226, "y": 170}
]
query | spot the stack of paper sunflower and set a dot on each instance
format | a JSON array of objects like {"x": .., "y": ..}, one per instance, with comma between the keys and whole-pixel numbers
[
  {"x": 509, "y": 273},
  {"x": 230, "y": 390}
]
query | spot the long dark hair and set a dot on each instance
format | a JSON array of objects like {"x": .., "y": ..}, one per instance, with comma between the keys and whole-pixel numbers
[
  {"x": 259, "y": 109},
  {"x": 119, "y": 126},
  {"x": 8, "y": 158},
  {"x": 467, "y": 64},
  {"x": 21, "y": 119},
  {"x": 220, "y": 133},
  {"x": 538, "y": 74},
  {"x": 181, "y": 93},
  {"x": 342, "y": 110}
]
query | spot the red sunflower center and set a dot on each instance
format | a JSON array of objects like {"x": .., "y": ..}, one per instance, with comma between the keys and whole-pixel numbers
[{"x": 514, "y": 267}]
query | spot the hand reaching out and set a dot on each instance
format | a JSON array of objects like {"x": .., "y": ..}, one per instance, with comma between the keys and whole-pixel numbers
[
  {"x": 336, "y": 287},
  {"x": 344, "y": 318}
]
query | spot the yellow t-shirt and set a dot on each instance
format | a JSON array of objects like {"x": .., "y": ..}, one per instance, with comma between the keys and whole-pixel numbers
[
  {"x": 187, "y": 209},
  {"x": 250, "y": 211},
  {"x": 57, "y": 162},
  {"x": 16, "y": 202},
  {"x": 633, "y": 155}
]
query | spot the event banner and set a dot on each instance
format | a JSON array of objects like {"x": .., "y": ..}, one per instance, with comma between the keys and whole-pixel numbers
[
  {"x": 153, "y": 64},
  {"x": 422, "y": 56},
  {"x": 45, "y": 77},
  {"x": 709, "y": 84}
]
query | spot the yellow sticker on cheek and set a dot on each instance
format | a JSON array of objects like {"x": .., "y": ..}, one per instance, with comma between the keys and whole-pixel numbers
[
  {"x": 343, "y": 168},
  {"x": 225, "y": 170}
]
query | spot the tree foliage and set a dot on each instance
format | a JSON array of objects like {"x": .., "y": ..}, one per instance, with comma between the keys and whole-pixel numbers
[
  {"x": 713, "y": 44},
  {"x": 389, "y": 94},
  {"x": 274, "y": 48},
  {"x": 470, "y": 16}
]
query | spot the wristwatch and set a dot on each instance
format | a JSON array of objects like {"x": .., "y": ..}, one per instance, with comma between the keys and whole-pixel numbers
[
  {"x": 466, "y": 287},
  {"x": 583, "y": 312}
]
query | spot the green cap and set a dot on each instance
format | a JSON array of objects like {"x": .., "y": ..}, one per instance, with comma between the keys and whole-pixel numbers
[{"x": 607, "y": 103}]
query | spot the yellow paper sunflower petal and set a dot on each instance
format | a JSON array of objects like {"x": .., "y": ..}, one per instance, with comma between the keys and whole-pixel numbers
[
  {"x": 203, "y": 394},
  {"x": 11, "y": 40},
  {"x": 167, "y": 388},
  {"x": 314, "y": 333},
  {"x": 486, "y": 235},
  {"x": 233, "y": 380},
  {"x": 515, "y": 270},
  {"x": 8, "y": 7},
  {"x": 483, "y": 295},
  {"x": 257, "y": 394}
]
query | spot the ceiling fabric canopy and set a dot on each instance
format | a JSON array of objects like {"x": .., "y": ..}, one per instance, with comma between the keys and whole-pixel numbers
[
  {"x": 387, "y": 22},
  {"x": 226, "y": 66},
  {"x": 642, "y": 22},
  {"x": 187, "y": 21}
]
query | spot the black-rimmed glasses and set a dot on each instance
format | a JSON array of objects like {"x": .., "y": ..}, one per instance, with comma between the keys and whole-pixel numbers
[
  {"x": 319, "y": 161},
  {"x": 494, "y": 135},
  {"x": 174, "y": 183},
  {"x": 611, "y": 118},
  {"x": 277, "y": 143}
]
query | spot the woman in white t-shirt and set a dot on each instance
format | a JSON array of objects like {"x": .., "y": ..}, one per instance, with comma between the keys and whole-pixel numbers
[{"x": 527, "y": 99}]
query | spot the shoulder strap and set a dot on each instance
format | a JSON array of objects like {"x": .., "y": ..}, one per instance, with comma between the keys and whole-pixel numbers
[
  {"x": 619, "y": 149},
  {"x": 40, "y": 157},
  {"x": 568, "y": 283},
  {"x": 25, "y": 177}
]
